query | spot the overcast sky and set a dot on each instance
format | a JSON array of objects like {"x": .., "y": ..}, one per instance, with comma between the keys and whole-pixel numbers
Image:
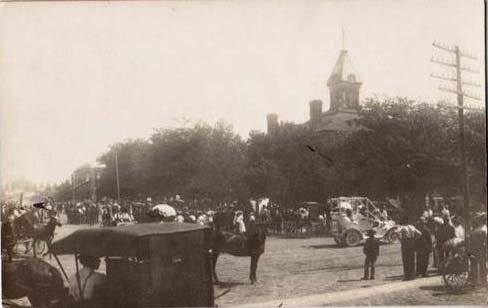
[{"x": 76, "y": 77}]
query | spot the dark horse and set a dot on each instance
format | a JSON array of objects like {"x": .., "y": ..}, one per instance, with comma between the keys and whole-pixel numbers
[
  {"x": 238, "y": 245},
  {"x": 33, "y": 278},
  {"x": 43, "y": 233},
  {"x": 46, "y": 233}
]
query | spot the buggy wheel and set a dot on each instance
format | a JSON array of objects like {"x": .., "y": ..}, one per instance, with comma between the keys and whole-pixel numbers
[
  {"x": 456, "y": 281},
  {"x": 22, "y": 247},
  {"x": 39, "y": 247},
  {"x": 352, "y": 238}
]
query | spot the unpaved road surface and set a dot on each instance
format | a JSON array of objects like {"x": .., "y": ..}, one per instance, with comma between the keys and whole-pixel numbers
[{"x": 292, "y": 268}]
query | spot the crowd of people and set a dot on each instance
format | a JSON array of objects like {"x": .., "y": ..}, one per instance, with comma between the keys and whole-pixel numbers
[
  {"x": 430, "y": 236},
  {"x": 442, "y": 238}
]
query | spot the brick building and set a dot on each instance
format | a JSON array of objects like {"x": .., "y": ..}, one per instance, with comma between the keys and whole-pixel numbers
[{"x": 344, "y": 86}]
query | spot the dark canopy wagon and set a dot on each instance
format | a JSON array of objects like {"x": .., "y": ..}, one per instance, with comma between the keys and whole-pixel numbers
[{"x": 149, "y": 265}]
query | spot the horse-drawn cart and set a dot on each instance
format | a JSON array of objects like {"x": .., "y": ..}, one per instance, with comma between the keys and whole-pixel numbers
[
  {"x": 455, "y": 268},
  {"x": 30, "y": 235},
  {"x": 148, "y": 265}
]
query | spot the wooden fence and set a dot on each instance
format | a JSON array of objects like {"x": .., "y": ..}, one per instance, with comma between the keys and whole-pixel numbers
[{"x": 294, "y": 229}]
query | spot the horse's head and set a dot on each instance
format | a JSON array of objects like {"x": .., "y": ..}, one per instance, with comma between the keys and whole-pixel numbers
[{"x": 53, "y": 221}]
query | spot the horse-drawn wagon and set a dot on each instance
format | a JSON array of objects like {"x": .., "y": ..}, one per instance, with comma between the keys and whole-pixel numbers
[{"x": 150, "y": 264}]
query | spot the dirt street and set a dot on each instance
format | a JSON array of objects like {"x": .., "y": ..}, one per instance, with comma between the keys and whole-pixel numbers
[{"x": 292, "y": 268}]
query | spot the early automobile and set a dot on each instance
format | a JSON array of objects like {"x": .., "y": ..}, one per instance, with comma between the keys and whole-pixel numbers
[
  {"x": 351, "y": 217},
  {"x": 149, "y": 264}
]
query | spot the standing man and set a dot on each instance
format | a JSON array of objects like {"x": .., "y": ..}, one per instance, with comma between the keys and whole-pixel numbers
[
  {"x": 407, "y": 235},
  {"x": 478, "y": 250},
  {"x": 445, "y": 210},
  {"x": 459, "y": 231},
  {"x": 371, "y": 250},
  {"x": 423, "y": 247},
  {"x": 428, "y": 213},
  {"x": 8, "y": 236}
]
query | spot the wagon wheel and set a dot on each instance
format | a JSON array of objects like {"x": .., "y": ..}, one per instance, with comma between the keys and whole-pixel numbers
[
  {"x": 22, "y": 247},
  {"x": 353, "y": 238},
  {"x": 39, "y": 247},
  {"x": 456, "y": 281}
]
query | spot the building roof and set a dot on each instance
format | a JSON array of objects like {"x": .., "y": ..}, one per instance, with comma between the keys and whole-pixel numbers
[
  {"x": 337, "y": 121},
  {"x": 343, "y": 70},
  {"x": 116, "y": 241}
]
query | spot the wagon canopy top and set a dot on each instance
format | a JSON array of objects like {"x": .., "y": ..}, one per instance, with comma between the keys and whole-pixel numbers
[{"x": 117, "y": 241}]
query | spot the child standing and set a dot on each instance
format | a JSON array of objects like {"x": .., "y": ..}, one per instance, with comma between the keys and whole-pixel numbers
[{"x": 371, "y": 250}]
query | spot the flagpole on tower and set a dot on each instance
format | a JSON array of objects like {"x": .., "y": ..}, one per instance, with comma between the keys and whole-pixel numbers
[{"x": 343, "y": 37}]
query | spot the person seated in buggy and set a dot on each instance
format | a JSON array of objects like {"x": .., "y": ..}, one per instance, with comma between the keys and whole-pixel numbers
[{"x": 86, "y": 288}]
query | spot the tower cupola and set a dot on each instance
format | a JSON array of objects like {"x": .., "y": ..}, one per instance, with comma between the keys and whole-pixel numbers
[{"x": 344, "y": 83}]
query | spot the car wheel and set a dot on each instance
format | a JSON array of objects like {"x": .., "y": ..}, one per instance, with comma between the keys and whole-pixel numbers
[
  {"x": 353, "y": 238},
  {"x": 337, "y": 241},
  {"x": 392, "y": 237}
]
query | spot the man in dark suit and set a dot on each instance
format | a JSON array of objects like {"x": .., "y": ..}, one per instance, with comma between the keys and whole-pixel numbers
[
  {"x": 371, "y": 250},
  {"x": 423, "y": 246},
  {"x": 407, "y": 235}
]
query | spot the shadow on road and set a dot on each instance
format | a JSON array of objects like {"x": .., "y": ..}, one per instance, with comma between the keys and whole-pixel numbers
[
  {"x": 229, "y": 284},
  {"x": 336, "y": 246},
  {"x": 441, "y": 290},
  {"x": 324, "y": 246},
  {"x": 349, "y": 280},
  {"x": 394, "y": 278}
]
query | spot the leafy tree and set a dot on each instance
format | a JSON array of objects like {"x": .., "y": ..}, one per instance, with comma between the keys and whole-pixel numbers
[
  {"x": 134, "y": 171},
  {"x": 408, "y": 149},
  {"x": 63, "y": 192},
  {"x": 196, "y": 162}
]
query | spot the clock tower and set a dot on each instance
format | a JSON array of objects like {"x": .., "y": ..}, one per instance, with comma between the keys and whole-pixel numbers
[{"x": 344, "y": 84}]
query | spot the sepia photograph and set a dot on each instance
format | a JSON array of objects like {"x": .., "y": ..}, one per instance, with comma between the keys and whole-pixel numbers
[{"x": 211, "y": 153}]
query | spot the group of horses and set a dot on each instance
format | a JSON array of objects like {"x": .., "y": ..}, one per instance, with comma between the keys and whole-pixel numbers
[{"x": 43, "y": 285}]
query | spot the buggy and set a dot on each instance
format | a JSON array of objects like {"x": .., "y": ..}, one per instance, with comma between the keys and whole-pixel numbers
[
  {"x": 455, "y": 268},
  {"x": 148, "y": 265}
]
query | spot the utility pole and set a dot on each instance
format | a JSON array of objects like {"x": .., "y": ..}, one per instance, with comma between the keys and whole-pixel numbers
[
  {"x": 117, "y": 172},
  {"x": 461, "y": 94},
  {"x": 73, "y": 183}
]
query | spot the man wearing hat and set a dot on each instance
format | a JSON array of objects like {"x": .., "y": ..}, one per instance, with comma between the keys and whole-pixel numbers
[
  {"x": 407, "y": 235},
  {"x": 478, "y": 250},
  {"x": 444, "y": 233},
  {"x": 423, "y": 246},
  {"x": 371, "y": 250}
]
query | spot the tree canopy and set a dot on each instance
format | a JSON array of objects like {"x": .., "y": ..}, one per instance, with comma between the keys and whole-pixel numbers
[{"x": 404, "y": 149}]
